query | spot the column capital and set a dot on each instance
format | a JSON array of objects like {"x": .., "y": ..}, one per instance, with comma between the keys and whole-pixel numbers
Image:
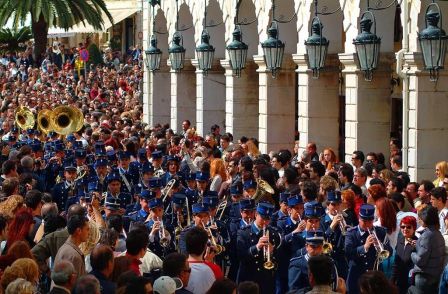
[
  {"x": 331, "y": 63},
  {"x": 350, "y": 62},
  {"x": 216, "y": 66},
  {"x": 259, "y": 60},
  {"x": 188, "y": 66}
]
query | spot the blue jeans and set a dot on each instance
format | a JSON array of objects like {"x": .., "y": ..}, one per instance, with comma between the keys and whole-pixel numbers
[{"x": 443, "y": 286}]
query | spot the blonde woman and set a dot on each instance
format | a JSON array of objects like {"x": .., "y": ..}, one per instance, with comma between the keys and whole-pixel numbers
[
  {"x": 252, "y": 149},
  {"x": 441, "y": 173},
  {"x": 218, "y": 174}
]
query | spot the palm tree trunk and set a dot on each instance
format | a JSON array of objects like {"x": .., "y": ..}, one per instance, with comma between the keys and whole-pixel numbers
[{"x": 40, "y": 32}]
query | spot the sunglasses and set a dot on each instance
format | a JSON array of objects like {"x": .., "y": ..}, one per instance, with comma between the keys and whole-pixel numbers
[{"x": 406, "y": 227}]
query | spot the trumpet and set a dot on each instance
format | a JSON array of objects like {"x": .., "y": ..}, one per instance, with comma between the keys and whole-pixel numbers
[
  {"x": 268, "y": 264},
  {"x": 164, "y": 241},
  {"x": 217, "y": 247},
  {"x": 221, "y": 209},
  {"x": 382, "y": 254},
  {"x": 327, "y": 248},
  {"x": 342, "y": 223}
]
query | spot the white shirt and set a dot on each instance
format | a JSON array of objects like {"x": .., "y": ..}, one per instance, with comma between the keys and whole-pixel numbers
[
  {"x": 201, "y": 278},
  {"x": 442, "y": 214}
]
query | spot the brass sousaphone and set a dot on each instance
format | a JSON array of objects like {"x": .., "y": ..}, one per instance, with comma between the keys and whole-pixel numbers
[
  {"x": 24, "y": 118},
  {"x": 67, "y": 120},
  {"x": 44, "y": 120}
]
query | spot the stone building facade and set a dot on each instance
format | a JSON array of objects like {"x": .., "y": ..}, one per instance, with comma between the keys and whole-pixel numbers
[{"x": 339, "y": 110}]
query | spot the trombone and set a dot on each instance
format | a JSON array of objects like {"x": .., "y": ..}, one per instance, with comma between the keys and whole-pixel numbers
[
  {"x": 268, "y": 264},
  {"x": 221, "y": 208},
  {"x": 217, "y": 247},
  {"x": 166, "y": 191}
]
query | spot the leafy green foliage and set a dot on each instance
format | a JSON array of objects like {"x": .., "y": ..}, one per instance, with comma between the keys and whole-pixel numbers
[
  {"x": 94, "y": 55},
  {"x": 47, "y": 13},
  {"x": 13, "y": 40}
]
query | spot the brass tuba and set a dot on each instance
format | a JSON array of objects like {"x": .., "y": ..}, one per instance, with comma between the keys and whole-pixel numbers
[
  {"x": 44, "y": 120},
  {"x": 67, "y": 120},
  {"x": 264, "y": 192},
  {"x": 24, "y": 118}
]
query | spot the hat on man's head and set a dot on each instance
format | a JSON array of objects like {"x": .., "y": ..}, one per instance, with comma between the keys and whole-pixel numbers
[
  {"x": 153, "y": 203},
  {"x": 111, "y": 156},
  {"x": 155, "y": 182},
  {"x": 202, "y": 176},
  {"x": 172, "y": 158},
  {"x": 148, "y": 195},
  {"x": 77, "y": 145},
  {"x": 190, "y": 177},
  {"x": 35, "y": 146},
  {"x": 250, "y": 184},
  {"x": 147, "y": 167},
  {"x": 69, "y": 167},
  {"x": 142, "y": 154},
  {"x": 59, "y": 146},
  {"x": 334, "y": 196},
  {"x": 200, "y": 207},
  {"x": 179, "y": 199},
  {"x": 247, "y": 204},
  {"x": 315, "y": 237},
  {"x": 313, "y": 209},
  {"x": 80, "y": 153},
  {"x": 265, "y": 209},
  {"x": 30, "y": 131},
  {"x": 166, "y": 285},
  {"x": 71, "y": 138},
  {"x": 100, "y": 148},
  {"x": 284, "y": 197},
  {"x": 123, "y": 155},
  {"x": 295, "y": 200},
  {"x": 156, "y": 154},
  {"x": 367, "y": 211},
  {"x": 113, "y": 176},
  {"x": 101, "y": 162},
  {"x": 14, "y": 130},
  {"x": 211, "y": 201}
]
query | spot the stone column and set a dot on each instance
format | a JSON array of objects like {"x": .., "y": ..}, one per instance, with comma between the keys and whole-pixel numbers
[
  {"x": 428, "y": 120},
  {"x": 277, "y": 98},
  {"x": 183, "y": 96},
  {"x": 318, "y": 108},
  {"x": 158, "y": 104},
  {"x": 367, "y": 106},
  {"x": 210, "y": 98},
  {"x": 241, "y": 101}
]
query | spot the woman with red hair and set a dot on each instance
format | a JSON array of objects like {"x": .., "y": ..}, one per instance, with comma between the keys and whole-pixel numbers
[
  {"x": 405, "y": 246},
  {"x": 374, "y": 193},
  {"x": 20, "y": 228}
]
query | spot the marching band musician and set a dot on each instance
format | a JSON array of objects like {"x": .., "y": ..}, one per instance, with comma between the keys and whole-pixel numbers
[
  {"x": 63, "y": 193},
  {"x": 54, "y": 167},
  {"x": 246, "y": 209},
  {"x": 218, "y": 227},
  {"x": 292, "y": 242},
  {"x": 360, "y": 248},
  {"x": 191, "y": 191},
  {"x": 113, "y": 180},
  {"x": 147, "y": 172},
  {"x": 155, "y": 185},
  {"x": 233, "y": 210},
  {"x": 298, "y": 269},
  {"x": 178, "y": 216},
  {"x": 172, "y": 169},
  {"x": 282, "y": 213},
  {"x": 99, "y": 176},
  {"x": 129, "y": 175},
  {"x": 201, "y": 216},
  {"x": 331, "y": 224},
  {"x": 257, "y": 248},
  {"x": 161, "y": 241},
  {"x": 250, "y": 187},
  {"x": 142, "y": 214},
  {"x": 202, "y": 183},
  {"x": 157, "y": 160}
]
